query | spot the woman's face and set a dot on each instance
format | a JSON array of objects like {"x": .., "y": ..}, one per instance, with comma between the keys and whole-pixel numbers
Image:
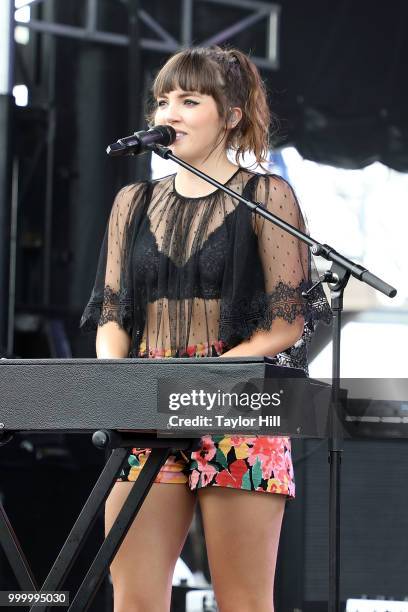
[{"x": 195, "y": 118}]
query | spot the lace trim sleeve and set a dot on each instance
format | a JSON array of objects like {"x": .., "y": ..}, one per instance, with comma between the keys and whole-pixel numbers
[
  {"x": 111, "y": 306},
  {"x": 240, "y": 318}
]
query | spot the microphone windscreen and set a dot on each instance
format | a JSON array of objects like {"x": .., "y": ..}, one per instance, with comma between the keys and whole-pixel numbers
[{"x": 169, "y": 134}]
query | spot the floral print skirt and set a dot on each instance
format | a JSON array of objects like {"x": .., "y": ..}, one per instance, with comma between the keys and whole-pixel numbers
[{"x": 258, "y": 463}]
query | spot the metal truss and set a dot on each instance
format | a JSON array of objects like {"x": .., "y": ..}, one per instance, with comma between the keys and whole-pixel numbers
[{"x": 165, "y": 42}]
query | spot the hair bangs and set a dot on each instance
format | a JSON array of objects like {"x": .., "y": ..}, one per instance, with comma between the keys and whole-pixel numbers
[{"x": 189, "y": 72}]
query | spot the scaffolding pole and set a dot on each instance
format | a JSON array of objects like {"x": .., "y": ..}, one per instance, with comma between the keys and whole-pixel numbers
[{"x": 6, "y": 115}]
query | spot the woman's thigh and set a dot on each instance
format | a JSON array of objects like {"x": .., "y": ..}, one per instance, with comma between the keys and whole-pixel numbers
[
  {"x": 143, "y": 567},
  {"x": 242, "y": 531}
]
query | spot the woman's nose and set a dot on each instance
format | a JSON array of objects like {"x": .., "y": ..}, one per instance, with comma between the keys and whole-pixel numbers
[{"x": 171, "y": 113}]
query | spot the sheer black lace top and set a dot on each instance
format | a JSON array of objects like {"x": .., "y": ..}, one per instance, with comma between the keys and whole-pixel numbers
[{"x": 178, "y": 272}]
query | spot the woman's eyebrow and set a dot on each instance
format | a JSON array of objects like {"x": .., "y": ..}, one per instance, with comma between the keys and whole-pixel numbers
[
  {"x": 185, "y": 94},
  {"x": 189, "y": 93}
]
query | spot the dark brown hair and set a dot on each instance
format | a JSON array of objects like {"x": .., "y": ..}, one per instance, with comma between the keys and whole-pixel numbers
[{"x": 232, "y": 79}]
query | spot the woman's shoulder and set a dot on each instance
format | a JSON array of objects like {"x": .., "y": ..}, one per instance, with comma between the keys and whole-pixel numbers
[
  {"x": 137, "y": 191},
  {"x": 262, "y": 185}
]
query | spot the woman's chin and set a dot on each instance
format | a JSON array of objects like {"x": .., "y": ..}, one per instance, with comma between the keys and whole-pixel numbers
[
  {"x": 182, "y": 152},
  {"x": 178, "y": 145}
]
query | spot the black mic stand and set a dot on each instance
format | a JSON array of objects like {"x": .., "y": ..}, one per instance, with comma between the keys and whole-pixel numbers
[{"x": 337, "y": 278}]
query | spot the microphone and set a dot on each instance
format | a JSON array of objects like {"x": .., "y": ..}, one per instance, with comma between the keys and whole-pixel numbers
[{"x": 140, "y": 142}]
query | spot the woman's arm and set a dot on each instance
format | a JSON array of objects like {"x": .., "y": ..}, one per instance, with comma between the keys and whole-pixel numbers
[
  {"x": 281, "y": 336},
  {"x": 112, "y": 342},
  {"x": 284, "y": 260}
]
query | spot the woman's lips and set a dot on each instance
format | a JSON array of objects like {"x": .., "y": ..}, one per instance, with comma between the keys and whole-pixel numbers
[{"x": 180, "y": 135}]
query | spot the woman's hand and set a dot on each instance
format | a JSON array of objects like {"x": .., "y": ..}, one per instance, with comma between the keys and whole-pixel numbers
[
  {"x": 112, "y": 342},
  {"x": 281, "y": 336}
]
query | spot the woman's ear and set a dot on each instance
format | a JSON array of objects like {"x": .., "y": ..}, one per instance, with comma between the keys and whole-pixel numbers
[{"x": 234, "y": 117}]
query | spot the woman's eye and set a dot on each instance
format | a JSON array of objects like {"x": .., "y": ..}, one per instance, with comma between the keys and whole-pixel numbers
[{"x": 187, "y": 102}]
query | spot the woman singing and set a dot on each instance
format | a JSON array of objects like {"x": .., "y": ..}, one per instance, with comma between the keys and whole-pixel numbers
[{"x": 187, "y": 271}]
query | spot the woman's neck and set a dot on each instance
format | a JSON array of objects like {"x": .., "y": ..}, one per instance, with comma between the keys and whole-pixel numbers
[{"x": 190, "y": 185}]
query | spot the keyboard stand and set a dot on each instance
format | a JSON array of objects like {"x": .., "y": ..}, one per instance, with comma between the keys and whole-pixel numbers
[{"x": 119, "y": 443}]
